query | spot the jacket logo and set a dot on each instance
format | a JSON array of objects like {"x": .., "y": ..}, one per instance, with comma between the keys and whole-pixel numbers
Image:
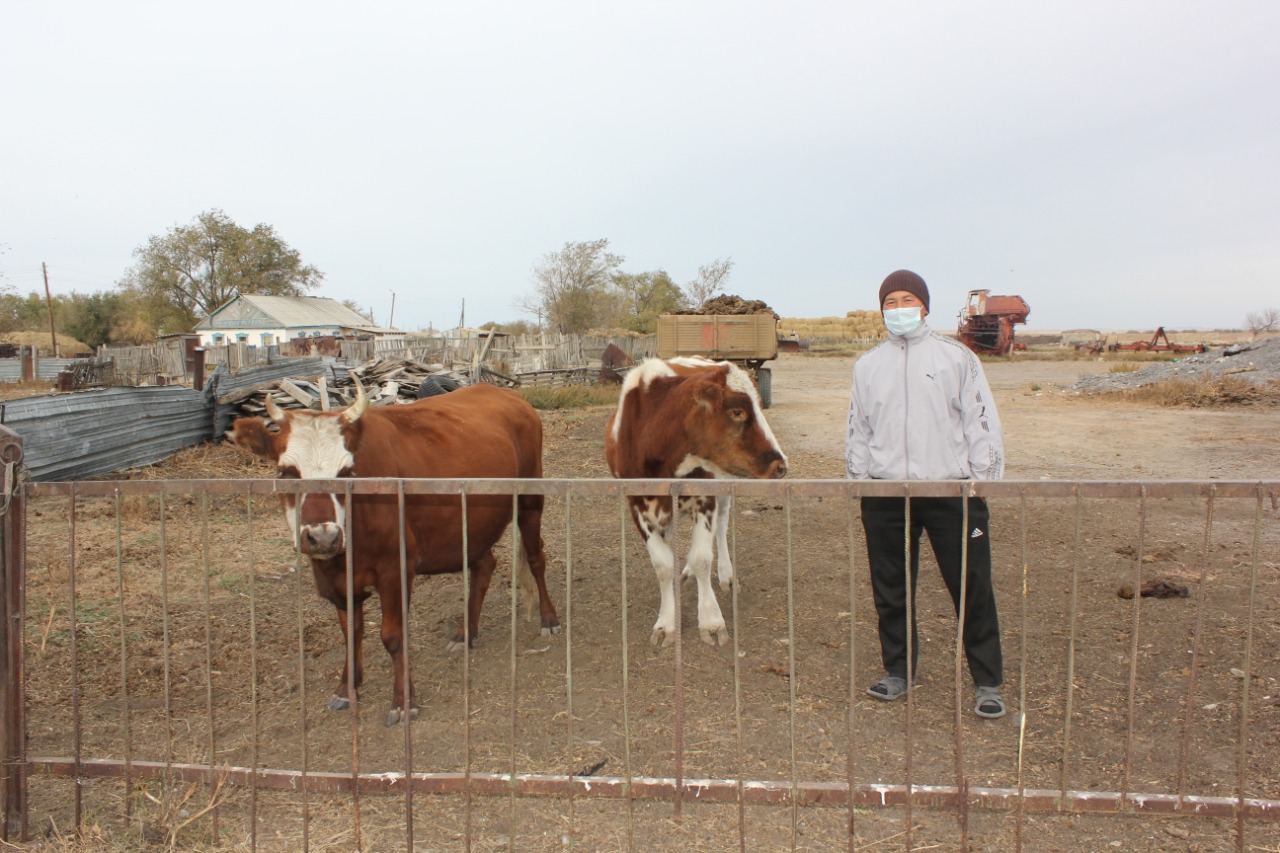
[{"x": 976, "y": 533}]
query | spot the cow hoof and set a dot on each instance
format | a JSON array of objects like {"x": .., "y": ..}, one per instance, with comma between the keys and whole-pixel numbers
[
  {"x": 726, "y": 584},
  {"x": 338, "y": 703},
  {"x": 395, "y": 715},
  {"x": 554, "y": 629},
  {"x": 659, "y": 635},
  {"x": 718, "y": 637}
]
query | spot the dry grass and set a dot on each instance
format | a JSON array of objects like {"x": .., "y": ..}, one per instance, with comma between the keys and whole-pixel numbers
[
  {"x": 1206, "y": 392},
  {"x": 20, "y": 390},
  {"x": 570, "y": 396}
]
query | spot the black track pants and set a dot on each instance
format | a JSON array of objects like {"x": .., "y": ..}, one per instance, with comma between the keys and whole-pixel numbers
[{"x": 883, "y": 519}]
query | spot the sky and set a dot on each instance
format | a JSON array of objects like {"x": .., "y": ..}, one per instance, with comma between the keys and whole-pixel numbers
[{"x": 1117, "y": 164}]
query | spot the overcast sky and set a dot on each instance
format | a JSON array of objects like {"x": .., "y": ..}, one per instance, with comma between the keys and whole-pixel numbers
[{"x": 1115, "y": 163}]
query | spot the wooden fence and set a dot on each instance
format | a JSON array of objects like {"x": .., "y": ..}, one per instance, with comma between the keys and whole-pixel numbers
[{"x": 167, "y": 362}]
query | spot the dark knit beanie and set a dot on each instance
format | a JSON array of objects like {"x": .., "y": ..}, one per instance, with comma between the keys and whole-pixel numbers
[{"x": 908, "y": 281}]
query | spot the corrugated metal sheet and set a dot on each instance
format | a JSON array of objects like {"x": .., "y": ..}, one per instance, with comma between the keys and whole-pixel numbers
[
  {"x": 46, "y": 368},
  {"x": 231, "y": 387},
  {"x": 227, "y": 388},
  {"x": 89, "y": 433}
]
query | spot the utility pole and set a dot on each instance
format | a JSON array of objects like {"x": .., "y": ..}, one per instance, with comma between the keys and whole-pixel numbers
[
  {"x": 48, "y": 300},
  {"x": 391, "y": 323}
]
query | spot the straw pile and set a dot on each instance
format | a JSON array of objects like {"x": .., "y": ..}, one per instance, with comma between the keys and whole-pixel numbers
[{"x": 856, "y": 325}]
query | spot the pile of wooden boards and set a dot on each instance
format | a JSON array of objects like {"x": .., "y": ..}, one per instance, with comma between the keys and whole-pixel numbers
[{"x": 387, "y": 381}]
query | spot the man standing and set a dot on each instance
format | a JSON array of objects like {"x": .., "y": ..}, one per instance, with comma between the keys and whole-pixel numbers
[{"x": 920, "y": 409}]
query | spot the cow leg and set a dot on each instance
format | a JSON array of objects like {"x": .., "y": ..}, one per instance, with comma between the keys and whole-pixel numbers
[
  {"x": 710, "y": 619},
  {"x": 655, "y": 527},
  {"x": 481, "y": 574},
  {"x": 403, "y": 703},
  {"x": 342, "y": 696},
  {"x": 724, "y": 564},
  {"x": 533, "y": 562}
]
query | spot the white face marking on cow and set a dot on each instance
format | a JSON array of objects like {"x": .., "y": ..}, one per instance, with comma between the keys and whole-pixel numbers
[
  {"x": 739, "y": 381},
  {"x": 316, "y": 451},
  {"x": 316, "y": 448},
  {"x": 693, "y": 462},
  {"x": 636, "y": 377}
]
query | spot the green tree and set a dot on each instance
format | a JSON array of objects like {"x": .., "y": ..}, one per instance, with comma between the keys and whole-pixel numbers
[
  {"x": 23, "y": 313},
  {"x": 572, "y": 285},
  {"x": 644, "y": 296},
  {"x": 195, "y": 268},
  {"x": 89, "y": 319}
]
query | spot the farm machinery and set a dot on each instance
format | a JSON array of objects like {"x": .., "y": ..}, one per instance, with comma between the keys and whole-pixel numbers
[
  {"x": 986, "y": 322},
  {"x": 1154, "y": 345}
]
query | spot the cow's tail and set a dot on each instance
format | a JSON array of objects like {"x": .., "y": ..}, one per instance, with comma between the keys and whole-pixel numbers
[{"x": 528, "y": 586}]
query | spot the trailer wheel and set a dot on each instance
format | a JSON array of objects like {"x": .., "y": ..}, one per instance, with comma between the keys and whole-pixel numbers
[{"x": 764, "y": 382}]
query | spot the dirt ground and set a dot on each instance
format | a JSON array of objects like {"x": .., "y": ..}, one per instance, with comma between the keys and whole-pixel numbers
[{"x": 194, "y": 635}]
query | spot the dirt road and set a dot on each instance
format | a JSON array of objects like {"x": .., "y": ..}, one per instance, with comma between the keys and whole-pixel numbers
[{"x": 1049, "y": 434}]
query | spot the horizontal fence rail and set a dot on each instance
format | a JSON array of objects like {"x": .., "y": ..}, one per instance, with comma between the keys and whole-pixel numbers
[{"x": 176, "y": 663}]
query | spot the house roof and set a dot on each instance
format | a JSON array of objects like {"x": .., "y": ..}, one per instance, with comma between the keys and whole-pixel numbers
[{"x": 289, "y": 312}]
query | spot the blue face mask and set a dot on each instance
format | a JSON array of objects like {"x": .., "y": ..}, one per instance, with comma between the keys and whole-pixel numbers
[{"x": 901, "y": 321}]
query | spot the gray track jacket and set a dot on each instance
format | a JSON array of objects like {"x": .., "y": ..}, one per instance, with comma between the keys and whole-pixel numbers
[{"x": 921, "y": 409}]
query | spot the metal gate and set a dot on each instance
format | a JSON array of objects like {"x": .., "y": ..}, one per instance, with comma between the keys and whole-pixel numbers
[{"x": 167, "y": 662}]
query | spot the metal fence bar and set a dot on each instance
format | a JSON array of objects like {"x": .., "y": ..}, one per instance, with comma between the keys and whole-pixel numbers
[
  {"x": 126, "y": 716},
  {"x": 682, "y": 787},
  {"x": 737, "y": 686},
  {"x": 850, "y": 727},
  {"x": 958, "y": 650},
  {"x": 1024, "y": 563},
  {"x": 1184, "y": 757},
  {"x": 405, "y": 581},
  {"x": 1243, "y": 738},
  {"x": 663, "y": 789},
  {"x": 792, "y": 674},
  {"x": 208, "y": 656},
  {"x": 747, "y": 488},
  {"x": 77, "y": 735},
  {"x": 568, "y": 655},
  {"x": 253, "y": 675}
]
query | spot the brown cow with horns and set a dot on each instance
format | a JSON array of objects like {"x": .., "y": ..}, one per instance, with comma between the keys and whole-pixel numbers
[{"x": 478, "y": 431}]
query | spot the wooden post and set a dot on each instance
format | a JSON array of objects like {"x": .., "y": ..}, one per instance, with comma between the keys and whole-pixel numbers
[
  {"x": 13, "y": 753},
  {"x": 48, "y": 300}
]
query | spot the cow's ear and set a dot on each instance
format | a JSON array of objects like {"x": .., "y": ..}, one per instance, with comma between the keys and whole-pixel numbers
[
  {"x": 710, "y": 396},
  {"x": 251, "y": 434}
]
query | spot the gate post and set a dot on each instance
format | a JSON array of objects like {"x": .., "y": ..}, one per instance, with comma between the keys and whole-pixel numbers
[{"x": 13, "y": 729}]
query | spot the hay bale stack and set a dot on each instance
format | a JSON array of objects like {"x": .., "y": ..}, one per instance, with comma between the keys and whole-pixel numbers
[{"x": 855, "y": 325}]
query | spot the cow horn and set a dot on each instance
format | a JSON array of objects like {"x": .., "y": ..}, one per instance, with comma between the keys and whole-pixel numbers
[
  {"x": 356, "y": 409},
  {"x": 274, "y": 411}
]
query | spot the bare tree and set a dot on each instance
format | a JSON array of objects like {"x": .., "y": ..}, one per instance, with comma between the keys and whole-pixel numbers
[
  {"x": 710, "y": 281},
  {"x": 1267, "y": 320},
  {"x": 572, "y": 284}
]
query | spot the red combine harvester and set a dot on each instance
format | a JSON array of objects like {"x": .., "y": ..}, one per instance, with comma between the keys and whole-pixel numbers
[
  {"x": 986, "y": 323},
  {"x": 1154, "y": 345}
]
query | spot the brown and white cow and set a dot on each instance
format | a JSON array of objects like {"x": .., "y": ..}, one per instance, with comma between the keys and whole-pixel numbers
[
  {"x": 689, "y": 417},
  {"x": 477, "y": 431}
]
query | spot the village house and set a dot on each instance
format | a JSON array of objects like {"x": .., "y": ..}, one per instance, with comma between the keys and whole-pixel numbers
[{"x": 271, "y": 320}]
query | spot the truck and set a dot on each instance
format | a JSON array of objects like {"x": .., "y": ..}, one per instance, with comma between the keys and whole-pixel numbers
[
  {"x": 986, "y": 322},
  {"x": 747, "y": 340}
]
